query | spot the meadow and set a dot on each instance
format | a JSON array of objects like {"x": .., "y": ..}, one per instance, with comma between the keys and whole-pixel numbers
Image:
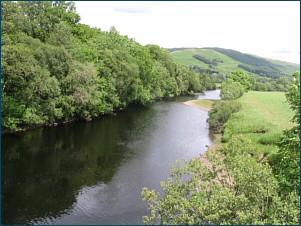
[
  {"x": 231, "y": 59},
  {"x": 185, "y": 58},
  {"x": 263, "y": 118}
]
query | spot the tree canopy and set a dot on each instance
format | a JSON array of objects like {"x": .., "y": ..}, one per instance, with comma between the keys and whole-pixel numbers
[{"x": 53, "y": 68}]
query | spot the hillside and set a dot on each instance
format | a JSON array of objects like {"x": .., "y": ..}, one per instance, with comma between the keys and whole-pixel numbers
[{"x": 218, "y": 60}]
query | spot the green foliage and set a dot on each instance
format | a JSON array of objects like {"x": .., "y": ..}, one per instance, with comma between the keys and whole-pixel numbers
[
  {"x": 208, "y": 82},
  {"x": 226, "y": 187},
  {"x": 219, "y": 78},
  {"x": 11, "y": 18},
  {"x": 243, "y": 78},
  {"x": 210, "y": 62},
  {"x": 231, "y": 90},
  {"x": 263, "y": 118},
  {"x": 54, "y": 68},
  {"x": 270, "y": 86},
  {"x": 201, "y": 58},
  {"x": 221, "y": 112},
  {"x": 264, "y": 70},
  {"x": 259, "y": 86},
  {"x": 286, "y": 162},
  {"x": 41, "y": 16}
]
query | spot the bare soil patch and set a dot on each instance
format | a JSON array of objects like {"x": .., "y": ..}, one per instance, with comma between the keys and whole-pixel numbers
[{"x": 193, "y": 103}]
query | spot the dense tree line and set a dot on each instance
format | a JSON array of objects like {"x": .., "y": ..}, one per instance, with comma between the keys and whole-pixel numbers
[
  {"x": 281, "y": 85},
  {"x": 201, "y": 58},
  {"x": 256, "y": 65},
  {"x": 205, "y": 60},
  {"x": 203, "y": 70},
  {"x": 269, "y": 72},
  {"x": 244, "y": 58},
  {"x": 234, "y": 87},
  {"x": 54, "y": 68}
]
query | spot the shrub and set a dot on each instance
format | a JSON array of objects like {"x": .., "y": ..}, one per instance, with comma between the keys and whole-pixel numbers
[
  {"x": 286, "y": 162},
  {"x": 231, "y": 90},
  {"x": 259, "y": 86},
  {"x": 243, "y": 78},
  {"x": 210, "y": 196},
  {"x": 221, "y": 111},
  {"x": 270, "y": 86}
]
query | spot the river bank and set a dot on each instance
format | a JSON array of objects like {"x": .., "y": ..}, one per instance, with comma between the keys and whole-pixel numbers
[
  {"x": 206, "y": 105},
  {"x": 76, "y": 119},
  {"x": 93, "y": 173}
]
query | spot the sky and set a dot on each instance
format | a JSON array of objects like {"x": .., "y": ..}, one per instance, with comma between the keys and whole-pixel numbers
[{"x": 269, "y": 29}]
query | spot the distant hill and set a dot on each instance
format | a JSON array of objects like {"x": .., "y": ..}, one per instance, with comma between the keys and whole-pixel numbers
[{"x": 219, "y": 60}]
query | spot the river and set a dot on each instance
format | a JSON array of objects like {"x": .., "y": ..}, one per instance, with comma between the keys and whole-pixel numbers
[{"x": 93, "y": 173}]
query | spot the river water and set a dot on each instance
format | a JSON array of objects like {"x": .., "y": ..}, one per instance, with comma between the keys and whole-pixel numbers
[{"x": 93, "y": 173}]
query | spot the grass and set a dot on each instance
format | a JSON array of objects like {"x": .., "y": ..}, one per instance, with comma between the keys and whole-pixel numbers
[
  {"x": 204, "y": 103},
  {"x": 218, "y": 85},
  {"x": 185, "y": 58},
  {"x": 261, "y": 111}
]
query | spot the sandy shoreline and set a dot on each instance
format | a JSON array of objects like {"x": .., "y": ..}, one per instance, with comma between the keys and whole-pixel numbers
[
  {"x": 217, "y": 137},
  {"x": 193, "y": 104},
  {"x": 216, "y": 143}
]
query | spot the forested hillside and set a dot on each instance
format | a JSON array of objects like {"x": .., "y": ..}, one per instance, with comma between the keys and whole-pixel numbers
[
  {"x": 206, "y": 60},
  {"x": 54, "y": 69}
]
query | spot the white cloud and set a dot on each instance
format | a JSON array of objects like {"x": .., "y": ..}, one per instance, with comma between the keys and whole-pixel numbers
[
  {"x": 250, "y": 27},
  {"x": 132, "y": 7}
]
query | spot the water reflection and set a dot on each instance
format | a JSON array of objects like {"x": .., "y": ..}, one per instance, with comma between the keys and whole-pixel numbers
[{"x": 93, "y": 173}]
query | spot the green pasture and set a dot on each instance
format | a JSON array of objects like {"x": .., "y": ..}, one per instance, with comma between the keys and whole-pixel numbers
[
  {"x": 184, "y": 57},
  {"x": 205, "y": 103},
  {"x": 263, "y": 118}
]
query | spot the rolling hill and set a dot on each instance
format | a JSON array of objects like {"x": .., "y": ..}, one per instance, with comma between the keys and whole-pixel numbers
[{"x": 219, "y": 60}]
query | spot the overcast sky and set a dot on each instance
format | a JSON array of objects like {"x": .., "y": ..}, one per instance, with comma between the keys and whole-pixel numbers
[{"x": 268, "y": 29}]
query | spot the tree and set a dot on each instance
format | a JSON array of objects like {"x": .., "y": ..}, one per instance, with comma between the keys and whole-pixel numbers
[
  {"x": 259, "y": 86},
  {"x": 231, "y": 90},
  {"x": 221, "y": 77},
  {"x": 286, "y": 162},
  {"x": 283, "y": 81},
  {"x": 11, "y": 17},
  {"x": 54, "y": 68},
  {"x": 225, "y": 187},
  {"x": 41, "y": 16},
  {"x": 243, "y": 78},
  {"x": 220, "y": 113}
]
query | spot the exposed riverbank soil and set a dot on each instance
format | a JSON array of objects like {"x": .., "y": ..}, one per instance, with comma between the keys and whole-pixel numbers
[
  {"x": 193, "y": 103},
  {"x": 217, "y": 137}
]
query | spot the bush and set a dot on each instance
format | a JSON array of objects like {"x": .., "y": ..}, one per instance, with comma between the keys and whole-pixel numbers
[
  {"x": 270, "y": 86},
  {"x": 286, "y": 162},
  {"x": 243, "y": 78},
  {"x": 231, "y": 188},
  {"x": 231, "y": 90},
  {"x": 221, "y": 112},
  {"x": 259, "y": 86}
]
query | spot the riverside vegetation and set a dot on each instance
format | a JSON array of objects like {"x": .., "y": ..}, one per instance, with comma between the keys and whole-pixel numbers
[
  {"x": 55, "y": 69},
  {"x": 240, "y": 186}
]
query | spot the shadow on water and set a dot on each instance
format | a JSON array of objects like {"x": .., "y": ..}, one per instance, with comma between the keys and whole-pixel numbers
[{"x": 93, "y": 173}]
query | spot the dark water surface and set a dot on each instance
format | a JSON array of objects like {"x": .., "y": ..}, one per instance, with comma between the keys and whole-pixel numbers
[{"x": 93, "y": 173}]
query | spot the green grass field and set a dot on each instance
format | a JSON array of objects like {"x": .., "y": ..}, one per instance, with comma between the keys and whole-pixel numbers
[
  {"x": 261, "y": 112},
  {"x": 184, "y": 57},
  {"x": 204, "y": 103}
]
